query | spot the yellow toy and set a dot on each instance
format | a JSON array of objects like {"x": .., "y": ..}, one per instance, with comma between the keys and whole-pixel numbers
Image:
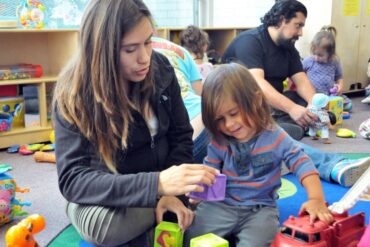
[
  {"x": 345, "y": 133},
  {"x": 21, "y": 234},
  {"x": 336, "y": 107}
]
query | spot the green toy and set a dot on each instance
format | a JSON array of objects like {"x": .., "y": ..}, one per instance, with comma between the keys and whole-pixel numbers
[
  {"x": 346, "y": 133},
  {"x": 168, "y": 234},
  {"x": 209, "y": 240}
]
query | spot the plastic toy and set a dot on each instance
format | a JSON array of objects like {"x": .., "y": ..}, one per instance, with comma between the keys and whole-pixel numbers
[
  {"x": 168, "y": 234},
  {"x": 5, "y": 122},
  {"x": 209, "y": 240},
  {"x": 13, "y": 106},
  {"x": 31, "y": 14},
  {"x": 334, "y": 90},
  {"x": 216, "y": 192},
  {"x": 21, "y": 235},
  {"x": 34, "y": 147},
  {"x": 13, "y": 149},
  {"x": 345, "y": 133},
  {"x": 52, "y": 136},
  {"x": 345, "y": 231},
  {"x": 24, "y": 151},
  {"x": 20, "y": 71},
  {"x": 44, "y": 157},
  {"x": 9, "y": 205},
  {"x": 365, "y": 129},
  {"x": 346, "y": 115},
  {"x": 336, "y": 106},
  {"x": 319, "y": 108}
]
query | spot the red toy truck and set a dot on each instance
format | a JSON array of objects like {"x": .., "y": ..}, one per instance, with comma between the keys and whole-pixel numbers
[{"x": 345, "y": 231}]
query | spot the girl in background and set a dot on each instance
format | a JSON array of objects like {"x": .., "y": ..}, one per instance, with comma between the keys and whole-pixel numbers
[
  {"x": 123, "y": 137},
  {"x": 196, "y": 41},
  {"x": 249, "y": 147},
  {"x": 323, "y": 68}
]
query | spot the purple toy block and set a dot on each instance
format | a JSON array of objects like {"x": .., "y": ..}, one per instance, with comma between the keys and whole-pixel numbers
[{"x": 216, "y": 192}]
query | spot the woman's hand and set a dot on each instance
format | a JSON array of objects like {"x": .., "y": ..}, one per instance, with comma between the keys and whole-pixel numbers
[
  {"x": 182, "y": 179},
  {"x": 173, "y": 204},
  {"x": 316, "y": 209}
]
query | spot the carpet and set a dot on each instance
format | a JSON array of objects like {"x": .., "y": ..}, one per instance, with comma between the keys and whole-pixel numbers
[{"x": 291, "y": 194}]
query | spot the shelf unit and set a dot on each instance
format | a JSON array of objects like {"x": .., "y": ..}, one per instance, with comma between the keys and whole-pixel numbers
[
  {"x": 49, "y": 48},
  {"x": 220, "y": 37}
]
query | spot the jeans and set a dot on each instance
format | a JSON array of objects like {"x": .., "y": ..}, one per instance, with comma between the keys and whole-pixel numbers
[
  {"x": 200, "y": 147},
  {"x": 323, "y": 161}
]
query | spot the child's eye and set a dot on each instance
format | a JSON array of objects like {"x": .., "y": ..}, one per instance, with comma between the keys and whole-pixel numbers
[{"x": 234, "y": 113}]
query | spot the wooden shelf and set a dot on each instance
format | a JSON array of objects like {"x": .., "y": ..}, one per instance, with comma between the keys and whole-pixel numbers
[
  {"x": 49, "y": 48},
  {"x": 219, "y": 38}
]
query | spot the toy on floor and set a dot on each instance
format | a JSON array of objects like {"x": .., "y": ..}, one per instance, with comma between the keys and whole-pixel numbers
[
  {"x": 209, "y": 240},
  {"x": 168, "y": 234},
  {"x": 216, "y": 192},
  {"x": 346, "y": 115},
  {"x": 21, "y": 234},
  {"x": 345, "y": 133},
  {"x": 319, "y": 107},
  {"x": 346, "y": 230},
  {"x": 365, "y": 129},
  {"x": 44, "y": 157},
  {"x": 9, "y": 205}
]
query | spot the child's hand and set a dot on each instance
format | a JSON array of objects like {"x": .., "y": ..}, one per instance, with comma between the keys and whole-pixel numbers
[{"x": 316, "y": 209}]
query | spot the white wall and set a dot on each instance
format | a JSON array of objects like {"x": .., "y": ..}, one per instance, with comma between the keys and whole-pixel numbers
[{"x": 239, "y": 13}]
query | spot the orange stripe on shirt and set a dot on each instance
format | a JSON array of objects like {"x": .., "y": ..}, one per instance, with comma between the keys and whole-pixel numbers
[
  {"x": 229, "y": 173},
  {"x": 298, "y": 162},
  {"x": 278, "y": 140},
  {"x": 218, "y": 146},
  {"x": 277, "y": 176},
  {"x": 214, "y": 161}
]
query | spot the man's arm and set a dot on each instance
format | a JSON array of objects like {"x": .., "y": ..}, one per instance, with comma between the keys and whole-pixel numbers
[
  {"x": 297, "y": 112},
  {"x": 304, "y": 86}
]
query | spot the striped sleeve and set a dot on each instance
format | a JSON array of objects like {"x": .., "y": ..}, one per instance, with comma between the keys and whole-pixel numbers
[{"x": 214, "y": 155}]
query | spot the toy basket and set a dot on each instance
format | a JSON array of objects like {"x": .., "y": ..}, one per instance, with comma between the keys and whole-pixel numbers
[{"x": 5, "y": 122}]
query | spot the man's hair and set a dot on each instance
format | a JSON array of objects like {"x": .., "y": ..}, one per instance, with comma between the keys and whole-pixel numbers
[{"x": 283, "y": 8}]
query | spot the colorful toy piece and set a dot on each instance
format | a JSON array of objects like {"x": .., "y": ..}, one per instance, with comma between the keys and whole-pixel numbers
[
  {"x": 44, "y": 157},
  {"x": 5, "y": 122},
  {"x": 336, "y": 104},
  {"x": 346, "y": 230},
  {"x": 168, "y": 234},
  {"x": 209, "y": 240},
  {"x": 31, "y": 14},
  {"x": 346, "y": 115},
  {"x": 9, "y": 205},
  {"x": 345, "y": 133},
  {"x": 216, "y": 192},
  {"x": 21, "y": 235}
]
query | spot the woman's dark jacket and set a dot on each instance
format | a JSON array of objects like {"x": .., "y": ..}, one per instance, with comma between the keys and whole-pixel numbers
[{"x": 84, "y": 178}]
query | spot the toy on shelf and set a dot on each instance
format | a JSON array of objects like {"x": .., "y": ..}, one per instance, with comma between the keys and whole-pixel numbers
[
  {"x": 168, "y": 234},
  {"x": 5, "y": 122},
  {"x": 345, "y": 133},
  {"x": 345, "y": 231},
  {"x": 9, "y": 205},
  {"x": 31, "y": 14},
  {"x": 209, "y": 240},
  {"x": 21, "y": 234},
  {"x": 216, "y": 192},
  {"x": 20, "y": 71}
]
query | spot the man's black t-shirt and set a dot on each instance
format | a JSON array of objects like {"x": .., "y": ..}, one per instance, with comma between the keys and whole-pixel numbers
[{"x": 255, "y": 49}]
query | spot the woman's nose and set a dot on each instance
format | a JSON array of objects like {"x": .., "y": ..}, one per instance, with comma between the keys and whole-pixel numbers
[{"x": 144, "y": 55}]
